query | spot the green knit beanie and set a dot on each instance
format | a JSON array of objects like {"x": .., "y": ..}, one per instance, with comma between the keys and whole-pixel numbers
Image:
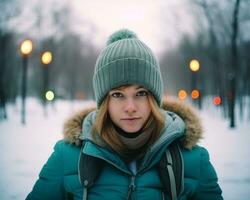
[{"x": 126, "y": 60}]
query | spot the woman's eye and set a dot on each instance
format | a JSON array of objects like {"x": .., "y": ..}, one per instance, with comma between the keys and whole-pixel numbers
[
  {"x": 117, "y": 95},
  {"x": 142, "y": 93}
]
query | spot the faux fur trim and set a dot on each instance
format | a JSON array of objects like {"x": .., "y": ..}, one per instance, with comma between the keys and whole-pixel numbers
[
  {"x": 194, "y": 130},
  {"x": 73, "y": 126}
]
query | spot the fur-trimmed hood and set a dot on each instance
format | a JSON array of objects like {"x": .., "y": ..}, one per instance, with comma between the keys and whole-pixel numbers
[{"x": 73, "y": 126}]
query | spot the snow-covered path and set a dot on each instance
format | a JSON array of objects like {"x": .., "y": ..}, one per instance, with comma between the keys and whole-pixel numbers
[{"x": 24, "y": 149}]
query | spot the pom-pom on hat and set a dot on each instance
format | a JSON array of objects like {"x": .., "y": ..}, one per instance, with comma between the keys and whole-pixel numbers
[{"x": 126, "y": 60}]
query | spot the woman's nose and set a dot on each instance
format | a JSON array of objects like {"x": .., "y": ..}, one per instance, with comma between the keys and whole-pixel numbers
[{"x": 130, "y": 105}]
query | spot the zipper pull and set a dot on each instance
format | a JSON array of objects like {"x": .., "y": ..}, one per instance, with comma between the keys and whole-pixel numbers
[{"x": 131, "y": 187}]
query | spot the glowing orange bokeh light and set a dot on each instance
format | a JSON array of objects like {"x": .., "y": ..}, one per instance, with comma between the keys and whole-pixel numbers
[
  {"x": 182, "y": 94},
  {"x": 195, "y": 94},
  {"x": 217, "y": 101}
]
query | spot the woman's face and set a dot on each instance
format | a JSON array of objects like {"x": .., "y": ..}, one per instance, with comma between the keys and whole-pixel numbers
[{"x": 129, "y": 107}]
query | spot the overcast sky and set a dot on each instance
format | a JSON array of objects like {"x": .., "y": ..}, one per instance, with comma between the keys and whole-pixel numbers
[{"x": 156, "y": 22}]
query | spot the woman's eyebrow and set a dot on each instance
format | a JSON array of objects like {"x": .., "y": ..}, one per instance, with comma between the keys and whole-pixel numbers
[
  {"x": 140, "y": 87},
  {"x": 115, "y": 90}
]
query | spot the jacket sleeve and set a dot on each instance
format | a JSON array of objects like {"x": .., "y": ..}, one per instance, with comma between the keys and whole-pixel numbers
[
  {"x": 208, "y": 187},
  {"x": 49, "y": 186}
]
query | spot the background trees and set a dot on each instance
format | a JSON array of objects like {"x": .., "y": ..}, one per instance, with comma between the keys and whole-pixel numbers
[
  {"x": 216, "y": 33},
  {"x": 220, "y": 44}
]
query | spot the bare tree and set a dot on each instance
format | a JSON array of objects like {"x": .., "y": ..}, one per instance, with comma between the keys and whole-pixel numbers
[
  {"x": 234, "y": 63},
  {"x": 9, "y": 9}
]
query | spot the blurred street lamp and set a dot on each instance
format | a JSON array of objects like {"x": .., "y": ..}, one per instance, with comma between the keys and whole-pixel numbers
[
  {"x": 217, "y": 100},
  {"x": 182, "y": 94},
  {"x": 26, "y": 47},
  {"x": 195, "y": 94},
  {"x": 194, "y": 66},
  {"x": 50, "y": 95},
  {"x": 46, "y": 59}
]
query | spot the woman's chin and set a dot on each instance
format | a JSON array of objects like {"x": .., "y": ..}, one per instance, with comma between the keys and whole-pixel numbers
[{"x": 130, "y": 129}]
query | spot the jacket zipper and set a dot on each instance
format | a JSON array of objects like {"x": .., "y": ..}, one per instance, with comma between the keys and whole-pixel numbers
[{"x": 131, "y": 187}]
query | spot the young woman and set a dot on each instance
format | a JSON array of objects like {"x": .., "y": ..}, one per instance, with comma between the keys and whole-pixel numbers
[{"x": 123, "y": 141}]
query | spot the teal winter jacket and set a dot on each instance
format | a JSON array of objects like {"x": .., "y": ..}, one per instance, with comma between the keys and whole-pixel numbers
[{"x": 59, "y": 177}]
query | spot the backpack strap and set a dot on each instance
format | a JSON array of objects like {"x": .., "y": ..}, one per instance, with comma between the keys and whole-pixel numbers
[
  {"x": 171, "y": 171},
  {"x": 89, "y": 168}
]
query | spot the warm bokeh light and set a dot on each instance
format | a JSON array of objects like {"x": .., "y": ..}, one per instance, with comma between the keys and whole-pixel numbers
[
  {"x": 46, "y": 57},
  {"x": 26, "y": 47},
  {"x": 50, "y": 95},
  {"x": 195, "y": 94},
  {"x": 217, "y": 101},
  {"x": 182, "y": 94},
  {"x": 194, "y": 65}
]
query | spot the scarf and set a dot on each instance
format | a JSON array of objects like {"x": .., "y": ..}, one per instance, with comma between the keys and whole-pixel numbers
[{"x": 135, "y": 143}]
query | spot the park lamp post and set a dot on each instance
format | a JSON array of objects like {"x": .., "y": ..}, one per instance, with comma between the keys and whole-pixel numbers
[
  {"x": 25, "y": 49},
  {"x": 46, "y": 59},
  {"x": 194, "y": 66}
]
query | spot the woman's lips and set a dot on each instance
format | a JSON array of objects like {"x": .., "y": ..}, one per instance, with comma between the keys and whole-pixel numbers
[{"x": 130, "y": 118}]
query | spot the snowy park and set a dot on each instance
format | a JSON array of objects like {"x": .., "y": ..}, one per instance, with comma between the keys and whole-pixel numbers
[
  {"x": 57, "y": 55},
  {"x": 25, "y": 148}
]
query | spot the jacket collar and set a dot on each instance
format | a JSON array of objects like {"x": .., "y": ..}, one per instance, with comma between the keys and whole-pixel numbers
[{"x": 192, "y": 125}]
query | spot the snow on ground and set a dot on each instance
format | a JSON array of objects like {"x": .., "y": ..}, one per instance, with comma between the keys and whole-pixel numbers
[
  {"x": 229, "y": 152},
  {"x": 24, "y": 149}
]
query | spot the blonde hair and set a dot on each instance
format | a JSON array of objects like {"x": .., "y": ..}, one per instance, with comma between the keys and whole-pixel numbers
[{"x": 104, "y": 126}]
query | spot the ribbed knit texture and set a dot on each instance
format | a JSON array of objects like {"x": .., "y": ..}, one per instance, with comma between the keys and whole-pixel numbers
[{"x": 123, "y": 62}]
